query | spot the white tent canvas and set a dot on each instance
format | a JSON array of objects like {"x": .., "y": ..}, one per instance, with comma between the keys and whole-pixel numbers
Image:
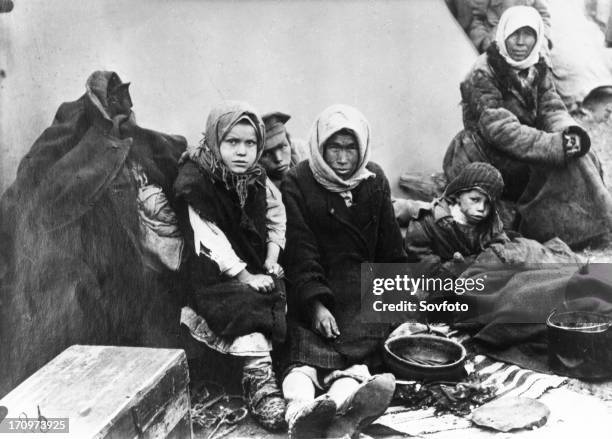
[{"x": 399, "y": 62}]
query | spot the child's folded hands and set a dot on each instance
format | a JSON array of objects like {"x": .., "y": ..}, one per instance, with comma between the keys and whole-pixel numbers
[
  {"x": 274, "y": 269},
  {"x": 262, "y": 283}
]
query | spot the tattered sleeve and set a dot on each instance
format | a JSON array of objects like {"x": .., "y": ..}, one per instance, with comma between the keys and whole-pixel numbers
[
  {"x": 503, "y": 131},
  {"x": 302, "y": 257},
  {"x": 276, "y": 217},
  {"x": 210, "y": 241}
]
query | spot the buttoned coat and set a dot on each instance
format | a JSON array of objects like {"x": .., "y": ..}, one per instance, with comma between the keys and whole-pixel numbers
[{"x": 326, "y": 244}]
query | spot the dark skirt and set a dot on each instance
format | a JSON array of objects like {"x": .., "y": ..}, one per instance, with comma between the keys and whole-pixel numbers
[{"x": 358, "y": 343}]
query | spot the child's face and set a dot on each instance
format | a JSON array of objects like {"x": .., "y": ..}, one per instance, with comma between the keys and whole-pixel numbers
[
  {"x": 239, "y": 148},
  {"x": 474, "y": 205},
  {"x": 277, "y": 159}
]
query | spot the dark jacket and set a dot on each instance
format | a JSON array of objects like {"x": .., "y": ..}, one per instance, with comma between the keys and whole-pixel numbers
[
  {"x": 510, "y": 126},
  {"x": 244, "y": 228},
  {"x": 433, "y": 236},
  {"x": 326, "y": 244},
  {"x": 230, "y": 308}
]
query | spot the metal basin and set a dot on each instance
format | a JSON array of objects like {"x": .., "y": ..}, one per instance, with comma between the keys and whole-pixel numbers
[{"x": 425, "y": 357}]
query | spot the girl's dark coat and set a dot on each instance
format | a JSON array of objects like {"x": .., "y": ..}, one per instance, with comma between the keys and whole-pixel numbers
[{"x": 230, "y": 308}]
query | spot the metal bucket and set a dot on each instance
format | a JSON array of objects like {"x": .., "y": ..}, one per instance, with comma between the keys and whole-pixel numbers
[{"x": 580, "y": 344}]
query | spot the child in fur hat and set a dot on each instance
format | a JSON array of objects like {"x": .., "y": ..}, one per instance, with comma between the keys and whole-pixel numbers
[{"x": 461, "y": 223}]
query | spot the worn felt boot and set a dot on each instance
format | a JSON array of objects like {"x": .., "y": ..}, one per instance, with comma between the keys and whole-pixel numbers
[
  {"x": 310, "y": 419},
  {"x": 263, "y": 397},
  {"x": 369, "y": 402}
]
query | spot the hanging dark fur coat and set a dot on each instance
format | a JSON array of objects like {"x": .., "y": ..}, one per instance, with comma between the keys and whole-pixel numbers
[{"x": 73, "y": 268}]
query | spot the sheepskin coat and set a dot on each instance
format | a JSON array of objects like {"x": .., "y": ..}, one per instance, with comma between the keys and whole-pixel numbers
[{"x": 508, "y": 124}]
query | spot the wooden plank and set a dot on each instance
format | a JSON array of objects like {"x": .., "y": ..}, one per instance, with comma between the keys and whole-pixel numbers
[
  {"x": 150, "y": 409},
  {"x": 182, "y": 429},
  {"x": 151, "y": 403},
  {"x": 169, "y": 417},
  {"x": 97, "y": 387}
]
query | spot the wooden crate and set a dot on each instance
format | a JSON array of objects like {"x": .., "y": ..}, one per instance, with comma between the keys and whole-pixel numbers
[{"x": 110, "y": 392}]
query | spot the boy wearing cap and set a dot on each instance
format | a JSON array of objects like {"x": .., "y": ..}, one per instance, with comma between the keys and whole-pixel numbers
[
  {"x": 281, "y": 152},
  {"x": 461, "y": 223}
]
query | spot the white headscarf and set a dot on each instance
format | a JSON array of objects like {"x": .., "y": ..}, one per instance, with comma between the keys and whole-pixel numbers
[
  {"x": 329, "y": 122},
  {"x": 513, "y": 19}
]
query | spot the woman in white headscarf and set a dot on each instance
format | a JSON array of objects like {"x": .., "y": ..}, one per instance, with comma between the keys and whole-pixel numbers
[
  {"x": 515, "y": 120},
  {"x": 339, "y": 215}
]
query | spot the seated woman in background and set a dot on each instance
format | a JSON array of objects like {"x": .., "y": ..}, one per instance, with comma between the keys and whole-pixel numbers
[
  {"x": 581, "y": 64},
  {"x": 515, "y": 120},
  {"x": 236, "y": 308}
]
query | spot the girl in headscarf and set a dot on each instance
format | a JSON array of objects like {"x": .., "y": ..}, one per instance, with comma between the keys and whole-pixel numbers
[
  {"x": 339, "y": 215},
  {"x": 238, "y": 301},
  {"x": 515, "y": 120}
]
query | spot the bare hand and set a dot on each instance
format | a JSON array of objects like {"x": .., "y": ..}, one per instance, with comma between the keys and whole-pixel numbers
[
  {"x": 262, "y": 283},
  {"x": 323, "y": 321},
  {"x": 274, "y": 269}
]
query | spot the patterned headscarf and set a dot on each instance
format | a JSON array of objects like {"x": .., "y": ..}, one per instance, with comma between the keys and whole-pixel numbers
[
  {"x": 221, "y": 120},
  {"x": 513, "y": 19},
  {"x": 330, "y": 121}
]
